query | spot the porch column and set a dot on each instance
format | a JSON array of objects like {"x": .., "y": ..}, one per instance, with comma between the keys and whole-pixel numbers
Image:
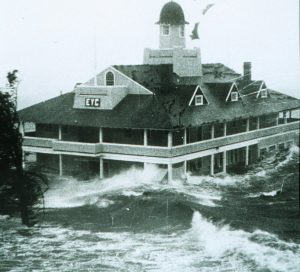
[
  {"x": 213, "y": 131},
  {"x": 100, "y": 135},
  {"x": 285, "y": 117},
  {"x": 170, "y": 172},
  {"x": 185, "y": 136},
  {"x": 225, "y": 161},
  {"x": 101, "y": 173},
  {"x": 21, "y": 129},
  {"x": 212, "y": 164},
  {"x": 59, "y": 133},
  {"x": 247, "y": 156},
  {"x": 247, "y": 125},
  {"x": 170, "y": 139},
  {"x": 225, "y": 128},
  {"x": 257, "y": 123},
  {"x": 60, "y": 165},
  {"x": 185, "y": 168},
  {"x": 145, "y": 137}
]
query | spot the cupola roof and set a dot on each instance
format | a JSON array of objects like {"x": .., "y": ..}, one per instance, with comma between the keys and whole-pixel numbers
[{"x": 172, "y": 14}]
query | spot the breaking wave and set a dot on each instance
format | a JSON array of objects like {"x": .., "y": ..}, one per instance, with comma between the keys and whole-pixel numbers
[{"x": 132, "y": 222}]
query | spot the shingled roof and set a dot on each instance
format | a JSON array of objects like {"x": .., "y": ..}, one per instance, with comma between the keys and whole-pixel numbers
[
  {"x": 154, "y": 77},
  {"x": 250, "y": 88},
  {"x": 167, "y": 108},
  {"x": 134, "y": 111}
]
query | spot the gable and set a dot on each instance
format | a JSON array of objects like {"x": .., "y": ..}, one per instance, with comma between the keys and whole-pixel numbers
[
  {"x": 263, "y": 91},
  {"x": 120, "y": 79},
  {"x": 198, "y": 98},
  {"x": 233, "y": 94}
]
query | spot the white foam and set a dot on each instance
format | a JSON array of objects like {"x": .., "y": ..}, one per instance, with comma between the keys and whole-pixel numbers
[
  {"x": 223, "y": 241},
  {"x": 272, "y": 193},
  {"x": 4, "y": 217}
]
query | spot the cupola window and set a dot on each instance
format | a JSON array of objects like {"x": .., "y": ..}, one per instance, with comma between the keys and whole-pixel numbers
[
  {"x": 198, "y": 100},
  {"x": 110, "y": 79},
  {"x": 234, "y": 96},
  {"x": 165, "y": 30},
  {"x": 181, "y": 31}
]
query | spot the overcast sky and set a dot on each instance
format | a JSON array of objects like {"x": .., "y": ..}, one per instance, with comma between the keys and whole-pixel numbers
[{"x": 51, "y": 42}]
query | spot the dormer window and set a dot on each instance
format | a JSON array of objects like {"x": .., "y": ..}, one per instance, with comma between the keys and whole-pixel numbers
[
  {"x": 264, "y": 93},
  {"x": 165, "y": 30},
  {"x": 181, "y": 31},
  {"x": 198, "y": 100},
  {"x": 110, "y": 79},
  {"x": 234, "y": 96}
]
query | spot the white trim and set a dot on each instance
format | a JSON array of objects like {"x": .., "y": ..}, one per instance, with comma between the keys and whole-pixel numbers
[
  {"x": 122, "y": 74},
  {"x": 265, "y": 92},
  {"x": 234, "y": 96},
  {"x": 105, "y": 81},
  {"x": 229, "y": 93},
  {"x": 158, "y": 160},
  {"x": 199, "y": 96},
  {"x": 194, "y": 94},
  {"x": 260, "y": 88}
]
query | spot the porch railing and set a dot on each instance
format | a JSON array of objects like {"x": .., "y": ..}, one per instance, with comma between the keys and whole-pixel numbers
[{"x": 164, "y": 152}]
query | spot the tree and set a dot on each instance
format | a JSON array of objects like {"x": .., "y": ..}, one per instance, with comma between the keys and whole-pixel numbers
[{"x": 19, "y": 190}]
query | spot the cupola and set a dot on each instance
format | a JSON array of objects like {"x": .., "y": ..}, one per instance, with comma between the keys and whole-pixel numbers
[{"x": 172, "y": 26}]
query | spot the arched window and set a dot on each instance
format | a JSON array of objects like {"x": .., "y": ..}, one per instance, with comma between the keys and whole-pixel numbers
[{"x": 110, "y": 79}]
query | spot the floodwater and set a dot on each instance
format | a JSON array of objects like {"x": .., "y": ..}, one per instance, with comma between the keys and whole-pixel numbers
[{"x": 130, "y": 222}]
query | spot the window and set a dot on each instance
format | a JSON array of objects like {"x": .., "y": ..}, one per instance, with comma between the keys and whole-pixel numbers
[
  {"x": 110, "y": 79},
  {"x": 199, "y": 163},
  {"x": 198, "y": 100},
  {"x": 264, "y": 93},
  {"x": 128, "y": 133},
  {"x": 181, "y": 31},
  {"x": 234, "y": 96},
  {"x": 165, "y": 30}
]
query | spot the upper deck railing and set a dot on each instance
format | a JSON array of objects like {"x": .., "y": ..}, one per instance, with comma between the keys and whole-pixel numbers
[{"x": 57, "y": 146}]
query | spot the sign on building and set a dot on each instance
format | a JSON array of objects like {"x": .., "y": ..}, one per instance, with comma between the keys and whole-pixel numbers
[{"x": 92, "y": 102}]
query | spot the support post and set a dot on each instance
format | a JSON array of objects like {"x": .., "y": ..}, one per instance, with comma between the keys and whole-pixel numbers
[
  {"x": 247, "y": 125},
  {"x": 145, "y": 137},
  {"x": 225, "y": 128},
  {"x": 170, "y": 139},
  {"x": 225, "y": 161},
  {"x": 101, "y": 172},
  {"x": 59, "y": 133},
  {"x": 257, "y": 123},
  {"x": 60, "y": 165},
  {"x": 285, "y": 117},
  {"x": 247, "y": 156},
  {"x": 213, "y": 131},
  {"x": 185, "y": 168},
  {"x": 185, "y": 136},
  {"x": 212, "y": 164},
  {"x": 21, "y": 129},
  {"x": 100, "y": 135},
  {"x": 170, "y": 172},
  {"x": 277, "y": 119}
]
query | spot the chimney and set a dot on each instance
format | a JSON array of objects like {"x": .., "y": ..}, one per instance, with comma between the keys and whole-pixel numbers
[{"x": 247, "y": 71}]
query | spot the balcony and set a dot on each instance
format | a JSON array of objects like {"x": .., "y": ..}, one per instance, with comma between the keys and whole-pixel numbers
[
  {"x": 56, "y": 146},
  {"x": 75, "y": 147},
  {"x": 38, "y": 142}
]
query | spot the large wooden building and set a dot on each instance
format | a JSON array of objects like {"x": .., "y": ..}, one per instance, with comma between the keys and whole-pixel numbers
[{"x": 172, "y": 111}]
